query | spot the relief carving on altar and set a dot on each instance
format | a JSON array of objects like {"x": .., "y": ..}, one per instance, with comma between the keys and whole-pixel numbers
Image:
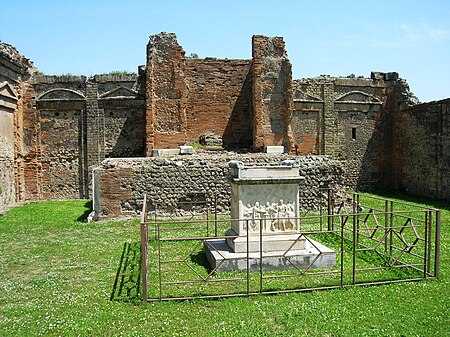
[{"x": 273, "y": 217}]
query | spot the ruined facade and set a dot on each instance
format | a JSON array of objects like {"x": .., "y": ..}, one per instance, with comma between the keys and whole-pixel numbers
[{"x": 55, "y": 129}]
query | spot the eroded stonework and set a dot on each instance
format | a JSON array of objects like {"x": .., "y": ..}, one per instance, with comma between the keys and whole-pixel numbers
[{"x": 56, "y": 129}]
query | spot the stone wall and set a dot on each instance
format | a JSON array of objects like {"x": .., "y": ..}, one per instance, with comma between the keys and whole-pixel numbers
[
  {"x": 342, "y": 117},
  {"x": 122, "y": 183},
  {"x": 72, "y": 123},
  {"x": 425, "y": 149},
  {"x": 14, "y": 71}
]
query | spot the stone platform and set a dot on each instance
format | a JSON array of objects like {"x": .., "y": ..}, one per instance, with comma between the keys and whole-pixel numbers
[
  {"x": 315, "y": 256},
  {"x": 271, "y": 242}
]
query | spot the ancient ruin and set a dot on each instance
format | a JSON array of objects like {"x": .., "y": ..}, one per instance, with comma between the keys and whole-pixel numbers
[{"x": 363, "y": 133}]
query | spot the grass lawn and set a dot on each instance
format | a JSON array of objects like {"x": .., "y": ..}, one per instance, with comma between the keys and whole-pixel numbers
[{"x": 57, "y": 274}]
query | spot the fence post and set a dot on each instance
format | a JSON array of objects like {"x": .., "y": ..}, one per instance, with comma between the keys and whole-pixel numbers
[
  {"x": 144, "y": 249},
  {"x": 355, "y": 233},
  {"x": 342, "y": 249},
  {"x": 391, "y": 228},
  {"x": 426, "y": 252},
  {"x": 329, "y": 209},
  {"x": 386, "y": 224},
  {"x": 357, "y": 219},
  {"x": 260, "y": 256},
  {"x": 437, "y": 243},
  {"x": 215, "y": 214}
]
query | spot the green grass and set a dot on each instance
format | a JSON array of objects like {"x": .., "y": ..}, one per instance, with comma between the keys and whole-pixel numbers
[{"x": 57, "y": 273}]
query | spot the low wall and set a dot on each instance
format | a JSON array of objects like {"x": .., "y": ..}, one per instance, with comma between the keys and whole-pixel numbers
[{"x": 120, "y": 184}]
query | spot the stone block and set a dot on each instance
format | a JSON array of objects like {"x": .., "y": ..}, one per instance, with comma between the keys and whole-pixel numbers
[
  {"x": 186, "y": 150},
  {"x": 392, "y": 76},
  {"x": 288, "y": 169},
  {"x": 377, "y": 75},
  {"x": 164, "y": 152},
  {"x": 274, "y": 149}
]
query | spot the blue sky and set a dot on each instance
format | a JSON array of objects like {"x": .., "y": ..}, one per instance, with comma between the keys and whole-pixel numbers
[{"x": 337, "y": 38}]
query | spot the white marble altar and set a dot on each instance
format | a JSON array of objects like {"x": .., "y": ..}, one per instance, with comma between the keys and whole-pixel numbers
[{"x": 265, "y": 223}]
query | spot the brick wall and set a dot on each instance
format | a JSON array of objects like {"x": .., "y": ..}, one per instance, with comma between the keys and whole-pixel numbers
[
  {"x": 220, "y": 100},
  {"x": 189, "y": 97},
  {"x": 166, "y": 93}
]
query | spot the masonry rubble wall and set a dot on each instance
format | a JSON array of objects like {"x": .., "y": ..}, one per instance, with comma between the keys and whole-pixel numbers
[
  {"x": 122, "y": 183},
  {"x": 343, "y": 117},
  {"x": 356, "y": 120}
]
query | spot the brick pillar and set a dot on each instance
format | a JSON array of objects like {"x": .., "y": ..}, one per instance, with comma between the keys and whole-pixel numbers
[
  {"x": 392, "y": 176},
  {"x": 19, "y": 147},
  {"x": 330, "y": 116},
  {"x": 95, "y": 143},
  {"x": 32, "y": 163},
  {"x": 272, "y": 93},
  {"x": 166, "y": 93}
]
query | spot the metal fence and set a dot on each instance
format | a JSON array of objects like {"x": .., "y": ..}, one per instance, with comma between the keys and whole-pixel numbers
[{"x": 376, "y": 241}]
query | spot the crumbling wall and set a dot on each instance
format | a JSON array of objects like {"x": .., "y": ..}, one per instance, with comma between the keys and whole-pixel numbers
[
  {"x": 425, "y": 149},
  {"x": 54, "y": 129},
  {"x": 122, "y": 183}
]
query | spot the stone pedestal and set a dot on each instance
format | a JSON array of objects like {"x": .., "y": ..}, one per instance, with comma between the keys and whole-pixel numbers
[{"x": 265, "y": 223}]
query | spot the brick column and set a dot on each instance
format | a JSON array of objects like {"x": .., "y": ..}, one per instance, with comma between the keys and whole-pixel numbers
[
  {"x": 94, "y": 145},
  {"x": 166, "y": 93},
  {"x": 329, "y": 120},
  {"x": 32, "y": 163},
  {"x": 272, "y": 93}
]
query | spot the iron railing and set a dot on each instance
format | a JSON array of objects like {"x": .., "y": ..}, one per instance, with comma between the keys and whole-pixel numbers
[{"x": 376, "y": 241}]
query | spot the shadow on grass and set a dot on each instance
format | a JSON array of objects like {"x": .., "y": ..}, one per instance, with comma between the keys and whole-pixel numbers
[
  {"x": 371, "y": 257},
  {"x": 440, "y": 204},
  {"x": 88, "y": 209},
  {"x": 128, "y": 278},
  {"x": 201, "y": 260}
]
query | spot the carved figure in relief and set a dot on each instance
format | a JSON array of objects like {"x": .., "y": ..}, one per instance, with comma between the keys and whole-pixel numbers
[
  {"x": 290, "y": 216},
  {"x": 271, "y": 214},
  {"x": 275, "y": 217}
]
